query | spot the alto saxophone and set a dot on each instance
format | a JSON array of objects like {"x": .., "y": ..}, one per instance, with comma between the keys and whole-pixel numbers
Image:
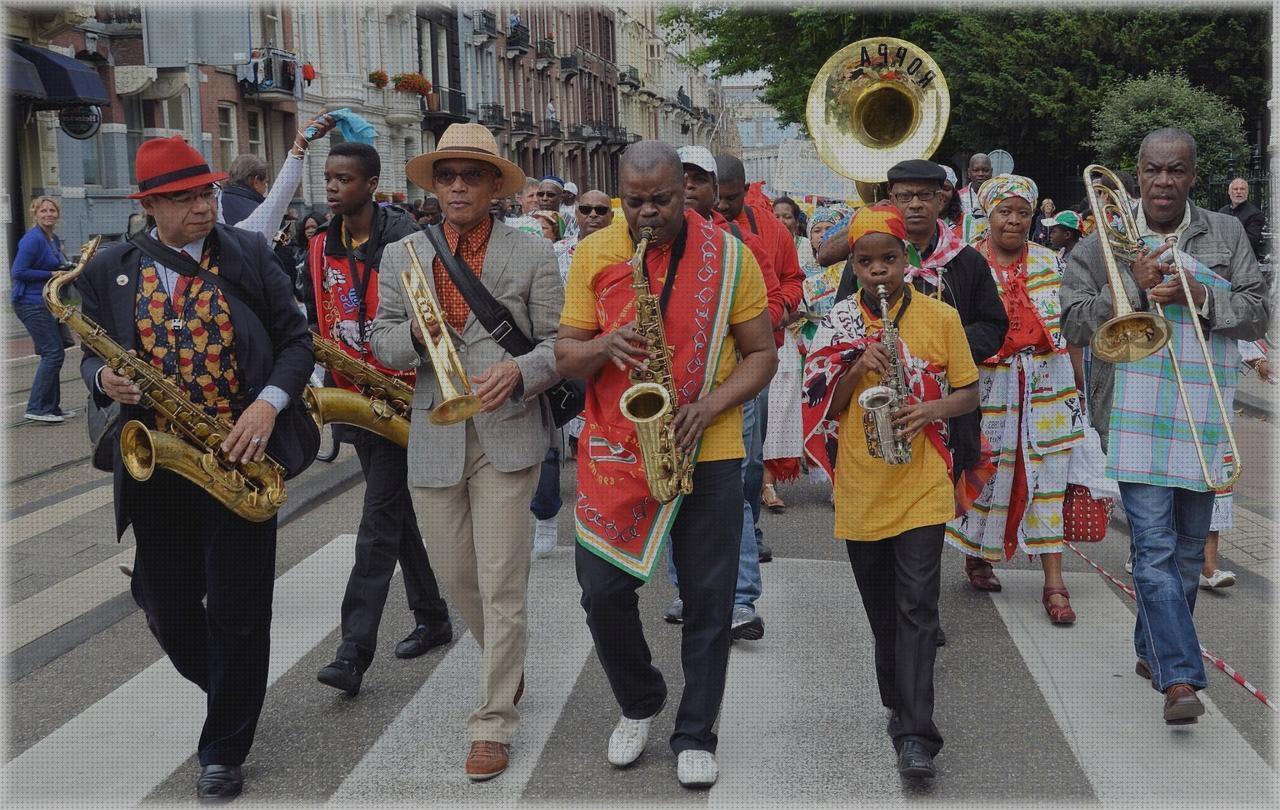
[
  {"x": 650, "y": 402},
  {"x": 191, "y": 444},
  {"x": 881, "y": 401},
  {"x": 383, "y": 405}
]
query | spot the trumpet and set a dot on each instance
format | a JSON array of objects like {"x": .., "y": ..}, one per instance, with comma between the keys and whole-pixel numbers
[
  {"x": 1131, "y": 335},
  {"x": 458, "y": 403}
]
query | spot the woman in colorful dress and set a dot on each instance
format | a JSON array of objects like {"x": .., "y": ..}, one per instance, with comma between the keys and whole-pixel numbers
[{"x": 1031, "y": 413}]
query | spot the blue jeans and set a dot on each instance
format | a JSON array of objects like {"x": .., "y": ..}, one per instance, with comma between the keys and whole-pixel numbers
[
  {"x": 46, "y": 393},
  {"x": 753, "y": 466},
  {"x": 546, "y": 497},
  {"x": 1168, "y": 527},
  {"x": 748, "y": 588}
]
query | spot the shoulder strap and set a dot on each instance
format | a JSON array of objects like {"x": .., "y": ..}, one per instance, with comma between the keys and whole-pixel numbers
[
  {"x": 751, "y": 218},
  {"x": 493, "y": 316}
]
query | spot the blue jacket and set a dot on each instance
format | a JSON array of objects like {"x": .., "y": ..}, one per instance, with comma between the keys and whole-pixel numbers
[{"x": 34, "y": 265}]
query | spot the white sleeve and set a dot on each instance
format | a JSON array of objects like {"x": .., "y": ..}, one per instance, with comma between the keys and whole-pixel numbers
[
  {"x": 1250, "y": 351},
  {"x": 265, "y": 219}
]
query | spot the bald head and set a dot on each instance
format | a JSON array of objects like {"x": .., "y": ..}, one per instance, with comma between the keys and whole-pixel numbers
[
  {"x": 599, "y": 212},
  {"x": 651, "y": 185}
]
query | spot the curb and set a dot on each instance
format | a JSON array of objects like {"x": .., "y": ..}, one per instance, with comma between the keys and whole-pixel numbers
[{"x": 1255, "y": 406}]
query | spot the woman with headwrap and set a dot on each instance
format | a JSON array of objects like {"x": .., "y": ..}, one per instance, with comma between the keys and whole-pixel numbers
[
  {"x": 1031, "y": 412},
  {"x": 892, "y": 515}
]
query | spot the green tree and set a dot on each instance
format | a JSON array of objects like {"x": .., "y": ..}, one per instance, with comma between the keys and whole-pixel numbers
[
  {"x": 1027, "y": 81},
  {"x": 1162, "y": 100}
]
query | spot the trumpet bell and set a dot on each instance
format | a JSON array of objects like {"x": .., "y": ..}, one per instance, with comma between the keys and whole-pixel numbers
[
  {"x": 875, "y": 103},
  {"x": 1130, "y": 337},
  {"x": 455, "y": 410}
]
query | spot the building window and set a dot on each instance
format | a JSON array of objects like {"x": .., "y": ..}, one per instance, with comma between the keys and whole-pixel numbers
[
  {"x": 90, "y": 150},
  {"x": 269, "y": 21},
  {"x": 253, "y": 119},
  {"x": 175, "y": 113},
  {"x": 226, "y": 134},
  {"x": 133, "y": 128}
]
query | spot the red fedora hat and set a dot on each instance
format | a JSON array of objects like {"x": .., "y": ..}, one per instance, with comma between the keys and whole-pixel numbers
[{"x": 168, "y": 165}]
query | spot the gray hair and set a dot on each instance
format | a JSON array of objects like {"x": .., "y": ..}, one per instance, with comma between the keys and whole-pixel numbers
[
  {"x": 1169, "y": 134},
  {"x": 246, "y": 168}
]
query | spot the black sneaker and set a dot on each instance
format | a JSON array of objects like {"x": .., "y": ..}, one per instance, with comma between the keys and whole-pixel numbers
[
  {"x": 766, "y": 553},
  {"x": 342, "y": 674},
  {"x": 425, "y": 637}
]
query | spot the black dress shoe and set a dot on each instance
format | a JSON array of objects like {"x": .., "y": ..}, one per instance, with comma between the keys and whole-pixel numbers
[
  {"x": 914, "y": 761},
  {"x": 942, "y": 638},
  {"x": 766, "y": 553},
  {"x": 219, "y": 783},
  {"x": 342, "y": 674},
  {"x": 425, "y": 637}
]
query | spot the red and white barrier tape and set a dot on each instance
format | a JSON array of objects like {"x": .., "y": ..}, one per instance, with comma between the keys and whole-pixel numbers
[{"x": 1208, "y": 656}]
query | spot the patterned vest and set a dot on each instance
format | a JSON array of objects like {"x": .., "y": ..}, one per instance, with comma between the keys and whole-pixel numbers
[{"x": 199, "y": 354}]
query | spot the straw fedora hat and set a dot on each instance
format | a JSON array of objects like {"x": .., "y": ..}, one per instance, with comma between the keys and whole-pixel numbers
[{"x": 466, "y": 142}]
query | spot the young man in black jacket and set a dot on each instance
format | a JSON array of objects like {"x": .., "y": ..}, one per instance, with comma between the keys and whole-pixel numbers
[{"x": 342, "y": 266}]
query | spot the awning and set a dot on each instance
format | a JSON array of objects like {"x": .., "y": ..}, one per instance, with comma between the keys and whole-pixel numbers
[
  {"x": 24, "y": 81},
  {"x": 66, "y": 81}
]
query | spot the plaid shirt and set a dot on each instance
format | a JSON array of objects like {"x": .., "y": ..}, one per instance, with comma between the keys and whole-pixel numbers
[{"x": 475, "y": 243}]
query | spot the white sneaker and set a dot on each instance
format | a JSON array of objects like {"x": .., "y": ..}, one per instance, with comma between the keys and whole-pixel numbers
[
  {"x": 697, "y": 769},
  {"x": 628, "y": 740},
  {"x": 1128, "y": 564},
  {"x": 1220, "y": 579},
  {"x": 43, "y": 417},
  {"x": 544, "y": 536}
]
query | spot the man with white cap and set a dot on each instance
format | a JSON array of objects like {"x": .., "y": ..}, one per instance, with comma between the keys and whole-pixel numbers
[
  {"x": 472, "y": 481},
  {"x": 568, "y": 199}
]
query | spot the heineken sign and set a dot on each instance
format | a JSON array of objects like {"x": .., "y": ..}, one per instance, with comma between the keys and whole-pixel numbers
[{"x": 80, "y": 122}]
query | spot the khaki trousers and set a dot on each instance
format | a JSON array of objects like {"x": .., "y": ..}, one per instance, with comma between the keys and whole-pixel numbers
[{"x": 478, "y": 534}]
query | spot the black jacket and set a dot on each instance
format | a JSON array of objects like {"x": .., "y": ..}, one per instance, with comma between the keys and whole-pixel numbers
[
  {"x": 238, "y": 202},
  {"x": 389, "y": 225},
  {"x": 971, "y": 289},
  {"x": 277, "y": 352},
  {"x": 1252, "y": 219}
]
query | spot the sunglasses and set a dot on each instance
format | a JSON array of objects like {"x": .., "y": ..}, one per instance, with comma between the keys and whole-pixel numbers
[
  {"x": 598, "y": 210},
  {"x": 472, "y": 177}
]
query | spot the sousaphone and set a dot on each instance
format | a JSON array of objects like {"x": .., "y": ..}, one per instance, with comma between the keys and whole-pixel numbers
[{"x": 874, "y": 104}]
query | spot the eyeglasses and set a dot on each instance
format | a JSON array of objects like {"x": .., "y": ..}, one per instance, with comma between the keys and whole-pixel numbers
[
  {"x": 598, "y": 210},
  {"x": 472, "y": 177},
  {"x": 904, "y": 197},
  {"x": 209, "y": 195}
]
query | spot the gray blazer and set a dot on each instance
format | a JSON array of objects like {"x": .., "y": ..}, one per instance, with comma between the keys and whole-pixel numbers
[
  {"x": 1218, "y": 241},
  {"x": 521, "y": 271}
]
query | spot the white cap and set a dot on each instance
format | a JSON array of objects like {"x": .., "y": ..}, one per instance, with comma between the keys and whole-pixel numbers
[
  {"x": 571, "y": 188},
  {"x": 699, "y": 156}
]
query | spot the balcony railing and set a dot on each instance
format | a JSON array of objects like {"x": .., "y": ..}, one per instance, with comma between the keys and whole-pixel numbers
[
  {"x": 522, "y": 121},
  {"x": 485, "y": 23},
  {"x": 493, "y": 116},
  {"x": 577, "y": 134},
  {"x": 447, "y": 103},
  {"x": 546, "y": 48},
  {"x": 551, "y": 130},
  {"x": 683, "y": 100},
  {"x": 629, "y": 76},
  {"x": 569, "y": 66},
  {"x": 275, "y": 75},
  {"x": 518, "y": 36}
]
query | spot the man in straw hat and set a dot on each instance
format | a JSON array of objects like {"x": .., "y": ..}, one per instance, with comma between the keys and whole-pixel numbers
[
  {"x": 472, "y": 481},
  {"x": 238, "y": 348}
]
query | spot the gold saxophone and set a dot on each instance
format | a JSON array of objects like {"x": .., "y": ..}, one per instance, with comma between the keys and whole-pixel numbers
[
  {"x": 383, "y": 405},
  {"x": 254, "y": 490},
  {"x": 879, "y": 402},
  {"x": 650, "y": 402}
]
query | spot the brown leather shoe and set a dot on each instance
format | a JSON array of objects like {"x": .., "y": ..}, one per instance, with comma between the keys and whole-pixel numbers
[
  {"x": 486, "y": 760},
  {"x": 1181, "y": 706},
  {"x": 981, "y": 576}
]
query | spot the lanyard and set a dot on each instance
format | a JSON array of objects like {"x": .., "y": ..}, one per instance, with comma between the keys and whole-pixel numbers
[{"x": 668, "y": 283}]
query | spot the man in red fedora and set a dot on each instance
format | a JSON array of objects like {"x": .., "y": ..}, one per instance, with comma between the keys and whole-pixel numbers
[
  {"x": 212, "y": 311},
  {"x": 472, "y": 480}
]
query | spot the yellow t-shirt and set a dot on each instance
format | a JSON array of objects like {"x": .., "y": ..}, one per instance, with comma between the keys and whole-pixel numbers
[
  {"x": 875, "y": 500},
  {"x": 723, "y": 437}
]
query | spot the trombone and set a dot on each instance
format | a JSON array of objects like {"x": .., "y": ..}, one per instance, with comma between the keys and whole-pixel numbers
[
  {"x": 1130, "y": 335},
  {"x": 458, "y": 404}
]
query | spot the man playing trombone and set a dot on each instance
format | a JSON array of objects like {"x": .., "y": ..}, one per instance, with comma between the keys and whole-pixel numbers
[{"x": 1140, "y": 408}]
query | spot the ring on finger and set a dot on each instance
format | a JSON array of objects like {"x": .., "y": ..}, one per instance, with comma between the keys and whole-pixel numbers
[{"x": 256, "y": 440}]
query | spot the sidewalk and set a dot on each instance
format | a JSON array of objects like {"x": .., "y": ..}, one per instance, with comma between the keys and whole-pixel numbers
[{"x": 1251, "y": 543}]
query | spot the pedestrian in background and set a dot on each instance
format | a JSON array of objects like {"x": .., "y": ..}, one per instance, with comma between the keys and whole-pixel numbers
[{"x": 39, "y": 257}]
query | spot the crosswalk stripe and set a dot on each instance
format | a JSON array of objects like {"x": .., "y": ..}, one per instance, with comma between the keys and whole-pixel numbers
[
  {"x": 120, "y": 748},
  {"x": 422, "y": 752},
  {"x": 29, "y": 525},
  {"x": 794, "y": 685},
  {"x": 58, "y": 604},
  {"x": 1113, "y": 724}
]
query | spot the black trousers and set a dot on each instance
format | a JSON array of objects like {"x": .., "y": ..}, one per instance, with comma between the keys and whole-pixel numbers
[
  {"x": 388, "y": 532},
  {"x": 898, "y": 578},
  {"x": 704, "y": 543},
  {"x": 190, "y": 548}
]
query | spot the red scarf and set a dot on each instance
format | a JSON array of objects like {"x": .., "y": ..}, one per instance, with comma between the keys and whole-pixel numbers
[{"x": 616, "y": 516}]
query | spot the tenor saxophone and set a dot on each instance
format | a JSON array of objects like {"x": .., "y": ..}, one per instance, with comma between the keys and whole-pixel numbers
[
  {"x": 651, "y": 400},
  {"x": 191, "y": 444},
  {"x": 880, "y": 402},
  {"x": 383, "y": 405}
]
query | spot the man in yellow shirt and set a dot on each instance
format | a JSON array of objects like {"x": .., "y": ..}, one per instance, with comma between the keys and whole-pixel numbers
[
  {"x": 892, "y": 516},
  {"x": 713, "y": 310}
]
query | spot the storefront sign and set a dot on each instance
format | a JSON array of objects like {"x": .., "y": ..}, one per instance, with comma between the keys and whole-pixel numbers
[{"x": 80, "y": 122}]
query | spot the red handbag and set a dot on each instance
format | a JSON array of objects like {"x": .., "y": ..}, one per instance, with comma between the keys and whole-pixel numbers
[{"x": 1084, "y": 518}]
